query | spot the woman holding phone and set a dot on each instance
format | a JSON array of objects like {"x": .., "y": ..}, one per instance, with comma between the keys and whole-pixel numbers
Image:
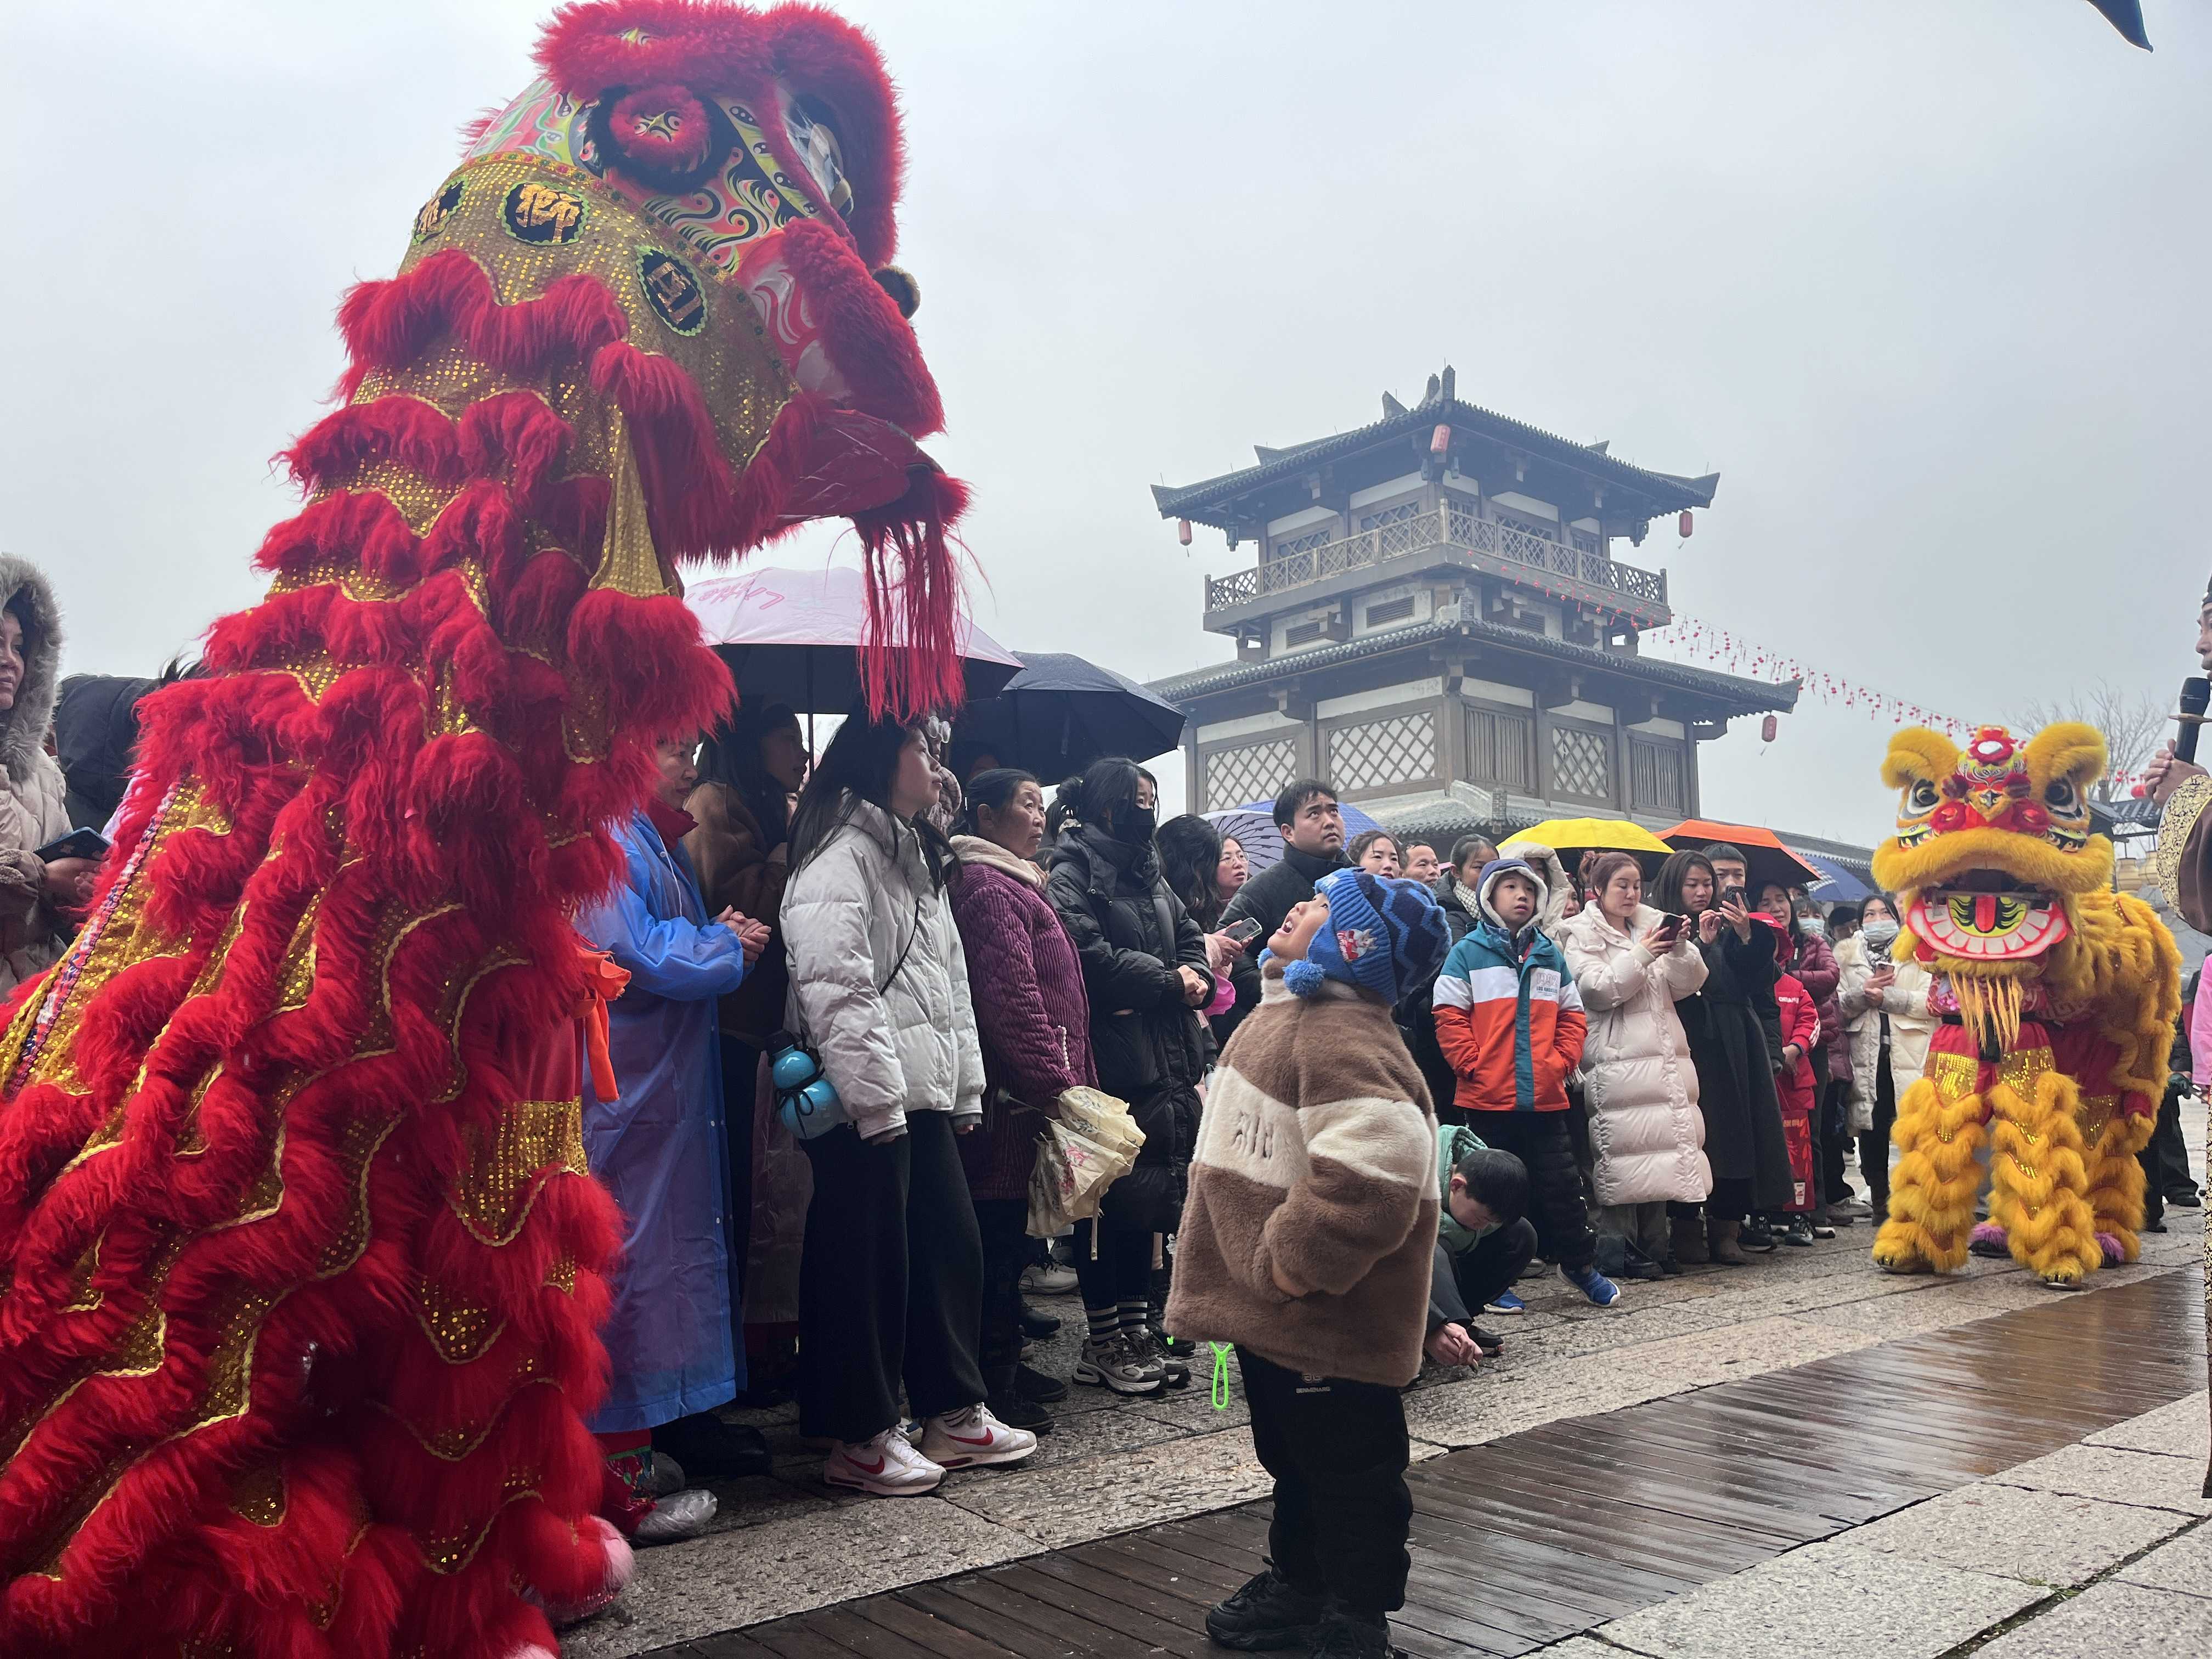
[
  {"x": 38, "y": 899},
  {"x": 1885, "y": 1007},
  {"x": 1632, "y": 963},
  {"x": 1744, "y": 1141}
]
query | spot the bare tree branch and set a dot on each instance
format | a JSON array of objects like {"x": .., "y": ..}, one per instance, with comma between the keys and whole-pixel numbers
[{"x": 2134, "y": 723}]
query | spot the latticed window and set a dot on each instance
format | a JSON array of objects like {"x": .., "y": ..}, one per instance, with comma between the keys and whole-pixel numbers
[
  {"x": 1543, "y": 527},
  {"x": 1305, "y": 544},
  {"x": 1396, "y": 514},
  {"x": 1501, "y": 749},
  {"x": 1375, "y": 754},
  {"x": 1658, "y": 776},
  {"x": 1582, "y": 763},
  {"x": 1255, "y": 772}
]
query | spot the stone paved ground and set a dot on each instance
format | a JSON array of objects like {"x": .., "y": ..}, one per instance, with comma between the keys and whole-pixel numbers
[{"x": 785, "y": 1543}]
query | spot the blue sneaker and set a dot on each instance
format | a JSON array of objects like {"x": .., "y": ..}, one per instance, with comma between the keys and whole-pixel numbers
[
  {"x": 1506, "y": 1303},
  {"x": 1601, "y": 1291}
]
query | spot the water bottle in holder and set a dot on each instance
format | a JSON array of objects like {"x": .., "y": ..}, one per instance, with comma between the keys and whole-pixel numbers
[{"x": 805, "y": 1101}]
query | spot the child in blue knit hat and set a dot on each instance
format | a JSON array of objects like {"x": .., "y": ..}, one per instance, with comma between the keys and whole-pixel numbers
[
  {"x": 1308, "y": 1242},
  {"x": 1376, "y": 935}
]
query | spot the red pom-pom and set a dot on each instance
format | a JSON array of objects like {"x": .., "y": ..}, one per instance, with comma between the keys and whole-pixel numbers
[{"x": 662, "y": 126}]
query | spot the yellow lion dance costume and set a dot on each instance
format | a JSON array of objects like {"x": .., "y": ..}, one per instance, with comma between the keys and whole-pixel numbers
[{"x": 2057, "y": 997}]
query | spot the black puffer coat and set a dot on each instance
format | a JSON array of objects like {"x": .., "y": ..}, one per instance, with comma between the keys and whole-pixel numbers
[
  {"x": 1133, "y": 935},
  {"x": 1735, "y": 1077}
]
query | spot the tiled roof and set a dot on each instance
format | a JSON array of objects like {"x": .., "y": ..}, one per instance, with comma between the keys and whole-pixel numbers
[
  {"x": 1666, "y": 492},
  {"x": 1745, "y": 697}
]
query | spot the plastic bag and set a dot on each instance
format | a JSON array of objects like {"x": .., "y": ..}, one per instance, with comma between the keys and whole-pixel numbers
[{"x": 1089, "y": 1146}]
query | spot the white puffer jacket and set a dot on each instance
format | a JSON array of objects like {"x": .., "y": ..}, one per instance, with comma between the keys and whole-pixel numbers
[
  {"x": 33, "y": 800},
  {"x": 891, "y": 1043},
  {"x": 1646, "y": 1132},
  {"x": 1911, "y": 1025}
]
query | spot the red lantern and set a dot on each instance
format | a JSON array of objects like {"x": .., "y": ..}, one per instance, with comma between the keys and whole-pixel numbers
[
  {"x": 1183, "y": 532},
  {"x": 1768, "y": 726},
  {"x": 1684, "y": 524}
]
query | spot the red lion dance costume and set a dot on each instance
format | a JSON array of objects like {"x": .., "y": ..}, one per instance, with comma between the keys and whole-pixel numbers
[{"x": 300, "y": 1263}]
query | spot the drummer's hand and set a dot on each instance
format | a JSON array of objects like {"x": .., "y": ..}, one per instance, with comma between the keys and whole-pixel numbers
[{"x": 2165, "y": 774}]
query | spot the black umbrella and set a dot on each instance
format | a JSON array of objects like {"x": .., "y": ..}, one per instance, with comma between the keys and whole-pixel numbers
[{"x": 1061, "y": 712}]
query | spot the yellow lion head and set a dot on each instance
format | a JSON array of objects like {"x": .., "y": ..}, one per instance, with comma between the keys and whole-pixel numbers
[{"x": 1993, "y": 853}]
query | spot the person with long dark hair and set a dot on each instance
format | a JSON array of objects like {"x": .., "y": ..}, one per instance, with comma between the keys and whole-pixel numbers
[
  {"x": 891, "y": 1285},
  {"x": 1744, "y": 1140},
  {"x": 740, "y": 848},
  {"x": 1145, "y": 965},
  {"x": 1034, "y": 1024}
]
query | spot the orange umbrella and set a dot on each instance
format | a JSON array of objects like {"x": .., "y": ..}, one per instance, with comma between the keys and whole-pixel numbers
[{"x": 1767, "y": 857}]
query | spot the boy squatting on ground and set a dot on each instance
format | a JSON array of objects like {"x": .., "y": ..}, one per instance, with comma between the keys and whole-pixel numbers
[
  {"x": 1511, "y": 1022},
  {"x": 1483, "y": 1241},
  {"x": 1308, "y": 1241}
]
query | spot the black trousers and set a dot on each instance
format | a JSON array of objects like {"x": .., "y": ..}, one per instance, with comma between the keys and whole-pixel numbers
[
  {"x": 1874, "y": 1144},
  {"x": 1113, "y": 1263},
  {"x": 1460, "y": 1286},
  {"x": 2165, "y": 1159},
  {"x": 740, "y": 1073},
  {"x": 1834, "y": 1134},
  {"x": 1004, "y": 1224},
  {"x": 891, "y": 1283},
  {"x": 1543, "y": 1142},
  {"x": 1338, "y": 1452}
]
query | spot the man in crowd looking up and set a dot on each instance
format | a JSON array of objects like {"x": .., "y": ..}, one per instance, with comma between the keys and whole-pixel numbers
[
  {"x": 1422, "y": 863},
  {"x": 1312, "y": 827}
]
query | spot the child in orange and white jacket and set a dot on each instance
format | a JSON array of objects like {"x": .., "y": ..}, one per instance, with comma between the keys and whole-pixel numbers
[{"x": 1509, "y": 1020}]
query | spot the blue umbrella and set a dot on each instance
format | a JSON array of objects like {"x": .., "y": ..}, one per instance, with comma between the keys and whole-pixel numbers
[
  {"x": 1061, "y": 712},
  {"x": 1254, "y": 829},
  {"x": 1837, "y": 885}
]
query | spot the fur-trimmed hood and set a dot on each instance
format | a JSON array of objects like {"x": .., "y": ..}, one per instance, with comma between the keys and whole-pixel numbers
[
  {"x": 974, "y": 849},
  {"x": 1559, "y": 886},
  {"x": 23, "y": 727}
]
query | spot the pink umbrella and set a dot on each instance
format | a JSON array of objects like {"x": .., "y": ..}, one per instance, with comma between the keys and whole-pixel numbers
[{"x": 794, "y": 636}]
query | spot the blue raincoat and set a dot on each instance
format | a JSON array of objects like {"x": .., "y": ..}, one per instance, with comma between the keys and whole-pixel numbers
[{"x": 659, "y": 1146}]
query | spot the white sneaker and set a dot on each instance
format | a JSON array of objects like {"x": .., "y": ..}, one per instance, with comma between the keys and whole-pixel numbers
[
  {"x": 885, "y": 1467},
  {"x": 1117, "y": 1365},
  {"x": 1047, "y": 1279},
  {"x": 677, "y": 1516},
  {"x": 960, "y": 1439}
]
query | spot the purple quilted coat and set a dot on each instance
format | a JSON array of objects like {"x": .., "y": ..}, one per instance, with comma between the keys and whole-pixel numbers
[{"x": 1030, "y": 1009}]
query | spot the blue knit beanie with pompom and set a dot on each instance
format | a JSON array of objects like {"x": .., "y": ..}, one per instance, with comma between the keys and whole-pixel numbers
[{"x": 1383, "y": 937}]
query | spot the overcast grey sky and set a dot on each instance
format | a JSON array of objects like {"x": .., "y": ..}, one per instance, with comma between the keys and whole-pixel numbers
[{"x": 1924, "y": 279}]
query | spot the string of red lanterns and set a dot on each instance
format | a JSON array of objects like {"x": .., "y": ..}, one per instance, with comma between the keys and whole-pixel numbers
[{"x": 1691, "y": 636}]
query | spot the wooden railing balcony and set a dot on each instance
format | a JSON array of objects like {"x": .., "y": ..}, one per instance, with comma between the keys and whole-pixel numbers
[{"x": 1503, "y": 550}]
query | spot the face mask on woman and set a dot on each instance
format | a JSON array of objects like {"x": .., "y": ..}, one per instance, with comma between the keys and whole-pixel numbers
[
  {"x": 1817, "y": 927},
  {"x": 1880, "y": 934}
]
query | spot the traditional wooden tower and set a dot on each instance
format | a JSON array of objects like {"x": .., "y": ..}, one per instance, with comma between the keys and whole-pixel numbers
[{"x": 1438, "y": 627}]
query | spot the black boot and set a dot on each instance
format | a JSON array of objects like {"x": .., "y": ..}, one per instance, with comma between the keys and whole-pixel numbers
[
  {"x": 1003, "y": 1396},
  {"x": 1037, "y": 1325},
  {"x": 1033, "y": 1385},
  {"x": 1269, "y": 1614},
  {"x": 1345, "y": 1634},
  {"x": 706, "y": 1445}
]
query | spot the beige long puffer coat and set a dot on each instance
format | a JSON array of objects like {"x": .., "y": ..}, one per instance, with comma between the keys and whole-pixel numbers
[
  {"x": 1646, "y": 1132},
  {"x": 33, "y": 801},
  {"x": 1911, "y": 1025}
]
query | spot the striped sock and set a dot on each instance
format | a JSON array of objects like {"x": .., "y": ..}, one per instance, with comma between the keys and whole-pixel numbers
[
  {"x": 1135, "y": 1316},
  {"x": 1105, "y": 1322}
]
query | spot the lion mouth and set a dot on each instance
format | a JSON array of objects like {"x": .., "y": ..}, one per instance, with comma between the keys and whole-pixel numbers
[{"x": 1988, "y": 915}]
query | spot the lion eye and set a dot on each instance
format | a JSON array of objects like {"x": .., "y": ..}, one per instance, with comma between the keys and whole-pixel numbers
[
  {"x": 1921, "y": 797},
  {"x": 2060, "y": 796}
]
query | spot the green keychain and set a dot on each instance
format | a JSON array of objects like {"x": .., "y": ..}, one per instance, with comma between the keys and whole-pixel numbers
[{"x": 1220, "y": 1374}]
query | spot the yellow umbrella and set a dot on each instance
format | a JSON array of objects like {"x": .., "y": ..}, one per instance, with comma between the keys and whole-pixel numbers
[{"x": 1570, "y": 837}]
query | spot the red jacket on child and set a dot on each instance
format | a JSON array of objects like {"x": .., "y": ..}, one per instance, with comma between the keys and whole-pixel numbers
[{"x": 1801, "y": 1024}]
